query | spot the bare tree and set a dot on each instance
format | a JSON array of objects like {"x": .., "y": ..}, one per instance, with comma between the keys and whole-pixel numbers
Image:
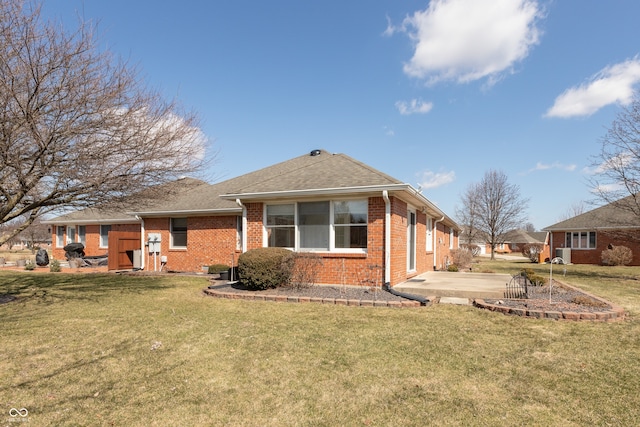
[
  {"x": 577, "y": 208},
  {"x": 495, "y": 207},
  {"x": 467, "y": 215},
  {"x": 78, "y": 126},
  {"x": 617, "y": 179}
]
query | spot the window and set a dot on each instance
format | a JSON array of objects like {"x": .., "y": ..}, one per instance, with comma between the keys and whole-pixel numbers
[
  {"x": 104, "y": 235},
  {"x": 59, "y": 236},
  {"x": 178, "y": 233},
  {"x": 82, "y": 234},
  {"x": 318, "y": 226},
  {"x": 429, "y": 234},
  {"x": 281, "y": 226},
  {"x": 581, "y": 240},
  {"x": 71, "y": 234},
  {"x": 350, "y": 224},
  {"x": 313, "y": 222},
  {"x": 450, "y": 238}
]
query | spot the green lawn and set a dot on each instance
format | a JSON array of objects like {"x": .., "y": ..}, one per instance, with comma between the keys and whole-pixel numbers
[{"x": 142, "y": 351}]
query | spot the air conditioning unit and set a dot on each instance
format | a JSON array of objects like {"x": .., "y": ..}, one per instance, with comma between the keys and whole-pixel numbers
[{"x": 565, "y": 254}]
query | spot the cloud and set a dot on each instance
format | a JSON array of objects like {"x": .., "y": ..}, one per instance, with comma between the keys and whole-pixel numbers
[
  {"x": 467, "y": 40},
  {"x": 388, "y": 131},
  {"x": 614, "y": 163},
  {"x": 414, "y": 106},
  {"x": 546, "y": 166},
  {"x": 613, "y": 84},
  {"x": 429, "y": 179}
]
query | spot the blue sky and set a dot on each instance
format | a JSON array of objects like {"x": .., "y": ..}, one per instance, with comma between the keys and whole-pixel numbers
[{"x": 432, "y": 93}]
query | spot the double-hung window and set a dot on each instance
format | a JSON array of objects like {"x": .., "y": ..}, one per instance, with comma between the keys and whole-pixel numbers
[
  {"x": 104, "y": 235},
  {"x": 581, "y": 240},
  {"x": 178, "y": 233},
  {"x": 280, "y": 226},
  {"x": 59, "y": 236},
  {"x": 71, "y": 234},
  {"x": 350, "y": 224},
  {"x": 82, "y": 234},
  {"x": 313, "y": 223}
]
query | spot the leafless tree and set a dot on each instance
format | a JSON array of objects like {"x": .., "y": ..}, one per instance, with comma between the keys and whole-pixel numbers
[
  {"x": 617, "y": 178},
  {"x": 77, "y": 125},
  {"x": 495, "y": 207},
  {"x": 467, "y": 215},
  {"x": 577, "y": 208}
]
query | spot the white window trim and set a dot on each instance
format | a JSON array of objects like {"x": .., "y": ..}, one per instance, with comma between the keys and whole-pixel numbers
[
  {"x": 589, "y": 233},
  {"x": 101, "y": 245},
  {"x": 332, "y": 243},
  {"x": 171, "y": 244}
]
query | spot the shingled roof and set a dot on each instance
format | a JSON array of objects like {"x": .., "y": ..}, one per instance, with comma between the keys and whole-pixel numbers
[
  {"x": 610, "y": 216},
  {"x": 319, "y": 172}
]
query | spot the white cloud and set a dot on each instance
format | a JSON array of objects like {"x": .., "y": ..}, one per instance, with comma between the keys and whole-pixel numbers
[
  {"x": 414, "y": 106},
  {"x": 613, "y": 84},
  {"x": 429, "y": 179},
  {"x": 467, "y": 40},
  {"x": 388, "y": 131},
  {"x": 618, "y": 162},
  {"x": 546, "y": 166}
]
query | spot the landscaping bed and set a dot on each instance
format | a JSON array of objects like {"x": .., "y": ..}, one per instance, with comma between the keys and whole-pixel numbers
[
  {"x": 326, "y": 294},
  {"x": 563, "y": 302}
]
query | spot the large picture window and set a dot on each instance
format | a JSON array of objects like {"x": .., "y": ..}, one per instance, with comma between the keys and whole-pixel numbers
[
  {"x": 318, "y": 226},
  {"x": 178, "y": 233},
  {"x": 581, "y": 240}
]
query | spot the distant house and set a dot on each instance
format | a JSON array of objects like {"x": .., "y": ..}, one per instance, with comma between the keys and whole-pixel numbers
[
  {"x": 360, "y": 221},
  {"x": 581, "y": 239},
  {"x": 512, "y": 241}
]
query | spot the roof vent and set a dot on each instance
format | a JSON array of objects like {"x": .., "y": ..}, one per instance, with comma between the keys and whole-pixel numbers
[{"x": 315, "y": 153}]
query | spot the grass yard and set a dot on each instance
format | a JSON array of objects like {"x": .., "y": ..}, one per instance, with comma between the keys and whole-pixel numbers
[{"x": 103, "y": 349}]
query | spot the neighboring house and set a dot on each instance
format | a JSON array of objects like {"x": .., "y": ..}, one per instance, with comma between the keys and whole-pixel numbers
[
  {"x": 363, "y": 223},
  {"x": 581, "y": 239},
  {"x": 517, "y": 239}
]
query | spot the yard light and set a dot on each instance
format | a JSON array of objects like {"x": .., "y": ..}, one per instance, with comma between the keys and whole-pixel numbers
[{"x": 557, "y": 260}]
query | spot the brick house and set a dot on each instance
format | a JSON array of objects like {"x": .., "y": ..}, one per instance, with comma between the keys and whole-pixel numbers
[
  {"x": 581, "y": 239},
  {"x": 360, "y": 221}
]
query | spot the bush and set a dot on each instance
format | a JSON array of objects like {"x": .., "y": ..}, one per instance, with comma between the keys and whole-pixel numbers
[
  {"x": 217, "y": 268},
  {"x": 461, "y": 258},
  {"x": 265, "y": 268},
  {"x": 532, "y": 251},
  {"x": 535, "y": 279},
  {"x": 54, "y": 266},
  {"x": 617, "y": 255},
  {"x": 452, "y": 268},
  {"x": 29, "y": 265},
  {"x": 474, "y": 249},
  {"x": 305, "y": 270}
]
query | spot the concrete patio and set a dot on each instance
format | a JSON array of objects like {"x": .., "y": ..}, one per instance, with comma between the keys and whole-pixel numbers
[{"x": 456, "y": 285}]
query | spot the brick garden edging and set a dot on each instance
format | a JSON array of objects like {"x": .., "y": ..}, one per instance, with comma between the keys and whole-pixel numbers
[
  {"x": 615, "y": 313},
  {"x": 332, "y": 301}
]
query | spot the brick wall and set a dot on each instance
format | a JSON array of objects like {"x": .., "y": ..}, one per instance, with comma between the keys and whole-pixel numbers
[
  {"x": 593, "y": 256},
  {"x": 92, "y": 239}
]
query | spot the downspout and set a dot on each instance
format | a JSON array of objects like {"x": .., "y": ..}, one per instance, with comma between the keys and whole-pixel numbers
[
  {"x": 142, "y": 242},
  {"x": 387, "y": 237},
  {"x": 244, "y": 225},
  {"x": 435, "y": 244}
]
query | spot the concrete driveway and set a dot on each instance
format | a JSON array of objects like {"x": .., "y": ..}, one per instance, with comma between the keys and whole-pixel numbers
[{"x": 458, "y": 285}]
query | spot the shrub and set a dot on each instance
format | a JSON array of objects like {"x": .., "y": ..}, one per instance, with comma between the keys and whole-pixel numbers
[
  {"x": 535, "y": 279},
  {"x": 54, "y": 266},
  {"x": 29, "y": 265},
  {"x": 217, "y": 268},
  {"x": 532, "y": 251},
  {"x": 617, "y": 255},
  {"x": 462, "y": 258},
  {"x": 265, "y": 268},
  {"x": 452, "y": 268},
  {"x": 474, "y": 249},
  {"x": 305, "y": 271}
]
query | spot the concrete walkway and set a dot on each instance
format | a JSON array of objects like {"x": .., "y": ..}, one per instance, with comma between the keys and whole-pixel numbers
[{"x": 456, "y": 285}]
